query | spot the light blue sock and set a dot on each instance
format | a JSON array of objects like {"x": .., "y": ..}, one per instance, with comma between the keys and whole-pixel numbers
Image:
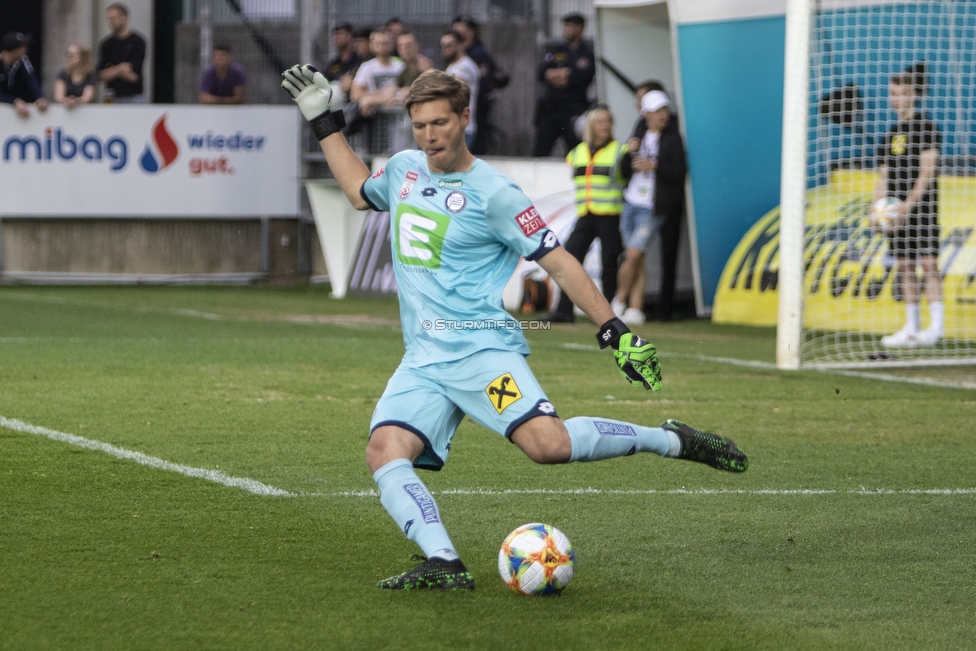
[
  {"x": 602, "y": 438},
  {"x": 411, "y": 505}
]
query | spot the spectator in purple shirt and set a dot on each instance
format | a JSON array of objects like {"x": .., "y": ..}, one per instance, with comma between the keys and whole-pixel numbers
[{"x": 223, "y": 81}]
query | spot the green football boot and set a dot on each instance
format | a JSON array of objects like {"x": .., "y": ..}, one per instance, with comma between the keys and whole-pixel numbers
[
  {"x": 712, "y": 449},
  {"x": 432, "y": 574}
]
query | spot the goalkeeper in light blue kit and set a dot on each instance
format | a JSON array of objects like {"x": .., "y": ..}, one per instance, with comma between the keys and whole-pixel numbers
[{"x": 458, "y": 229}]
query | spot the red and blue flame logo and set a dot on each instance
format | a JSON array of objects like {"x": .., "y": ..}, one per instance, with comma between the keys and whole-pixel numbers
[{"x": 162, "y": 151}]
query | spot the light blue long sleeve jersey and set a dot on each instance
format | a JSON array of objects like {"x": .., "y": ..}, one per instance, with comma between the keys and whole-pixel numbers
[{"x": 456, "y": 240}]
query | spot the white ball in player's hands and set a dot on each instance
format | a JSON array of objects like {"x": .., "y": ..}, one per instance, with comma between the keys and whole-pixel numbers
[{"x": 885, "y": 215}]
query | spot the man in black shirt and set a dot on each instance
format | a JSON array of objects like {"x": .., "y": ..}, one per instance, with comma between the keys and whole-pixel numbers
[
  {"x": 120, "y": 58},
  {"x": 18, "y": 85},
  {"x": 567, "y": 72},
  {"x": 492, "y": 78},
  {"x": 343, "y": 66},
  {"x": 908, "y": 173}
]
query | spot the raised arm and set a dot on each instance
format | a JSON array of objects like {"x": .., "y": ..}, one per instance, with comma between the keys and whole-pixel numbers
[{"x": 312, "y": 93}]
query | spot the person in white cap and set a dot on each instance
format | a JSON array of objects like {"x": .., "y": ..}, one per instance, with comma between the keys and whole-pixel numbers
[{"x": 654, "y": 199}]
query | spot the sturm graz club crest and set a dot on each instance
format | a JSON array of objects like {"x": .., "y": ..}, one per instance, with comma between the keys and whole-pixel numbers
[{"x": 456, "y": 201}]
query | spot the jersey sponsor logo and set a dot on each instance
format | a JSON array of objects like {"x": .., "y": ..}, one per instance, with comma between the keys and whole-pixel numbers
[
  {"x": 605, "y": 428},
  {"x": 407, "y": 185},
  {"x": 424, "y": 502},
  {"x": 450, "y": 184},
  {"x": 419, "y": 236},
  {"x": 899, "y": 143},
  {"x": 503, "y": 392},
  {"x": 530, "y": 221},
  {"x": 456, "y": 201},
  {"x": 428, "y": 192},
  {"x": 378, "y": 173}
]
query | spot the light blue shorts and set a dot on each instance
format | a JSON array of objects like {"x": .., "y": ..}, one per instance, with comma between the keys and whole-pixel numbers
[
  {"x": 637, "y": 225},
  {"x": 495, "y": 388}
]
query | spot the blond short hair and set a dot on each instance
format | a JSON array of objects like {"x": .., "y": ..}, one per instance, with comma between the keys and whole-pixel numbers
[
  {"x": 591, "y": 117},
  {"x": 432, "y": 85}
]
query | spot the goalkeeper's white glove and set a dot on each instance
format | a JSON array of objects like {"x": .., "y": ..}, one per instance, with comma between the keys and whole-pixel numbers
[{"x": 313, "y": 94}]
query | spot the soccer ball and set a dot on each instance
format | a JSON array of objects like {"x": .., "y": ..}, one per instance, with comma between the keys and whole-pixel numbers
[
  {"x": 536, "y": 559},
  {"x": 884, "y": 214}
]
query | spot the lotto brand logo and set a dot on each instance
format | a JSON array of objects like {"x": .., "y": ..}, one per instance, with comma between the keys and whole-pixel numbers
[
  {"x": 530, "y": 221},
  {"x": 162, "y": 151}
]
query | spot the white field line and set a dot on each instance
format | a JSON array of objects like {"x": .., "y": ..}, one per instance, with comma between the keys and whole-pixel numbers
[
  {"x": 884, "y": 377},
  {"x": 352, "y": 321},
  {"x": 249, "y": 485},
  {"x": 672, "y": 491},
  {"x": 258, "y": 488}
]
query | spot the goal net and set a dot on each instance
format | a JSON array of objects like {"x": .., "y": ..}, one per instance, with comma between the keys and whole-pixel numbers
[{"x": 891, "y": 95}]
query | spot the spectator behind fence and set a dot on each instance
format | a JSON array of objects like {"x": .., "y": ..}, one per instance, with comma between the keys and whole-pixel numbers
[
  {"x": 394, "y": 27},
  {"x": 600, "y": 166},
  {"x": 492, "y": 78},
  {"x": 341, "y": 69},
  {"x": 414, "y": 63},
  {"x": 76, "y": 81},
  {"x": 224, "y": 81},
  {"x": 375, "y": 82},
  {"x": 18, "y": 83},
  {"x": 120, "y": 58},
  {"x": 360, "y": 43},
  {"x": 464, "y": 68},
  {"x": 567, "y": 72}
]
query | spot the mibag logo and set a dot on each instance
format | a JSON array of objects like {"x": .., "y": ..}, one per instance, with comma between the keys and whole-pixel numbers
[
  {"x": 57, "y": 145},
  {"x": 162, "y": 151}
]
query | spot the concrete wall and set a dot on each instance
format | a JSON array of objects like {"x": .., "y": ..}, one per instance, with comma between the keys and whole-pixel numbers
[{"x": 145, "y": 247}]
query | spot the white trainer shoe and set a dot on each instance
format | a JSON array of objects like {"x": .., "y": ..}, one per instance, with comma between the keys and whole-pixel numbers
[
  {"x": 929, "y": 337},
  {"x": 632, "y": 316},
  {"x": 618, "y": 307},
  {"x": 904, "y": 338}
]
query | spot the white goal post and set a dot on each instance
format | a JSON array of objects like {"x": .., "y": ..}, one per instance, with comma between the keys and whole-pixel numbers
[{"x": 879, "y": 103}]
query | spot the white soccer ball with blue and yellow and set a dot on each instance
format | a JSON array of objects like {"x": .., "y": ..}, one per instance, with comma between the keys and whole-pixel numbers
[
  {"x": 884, "y": 214},
  {"x": 536, "y": 559}
]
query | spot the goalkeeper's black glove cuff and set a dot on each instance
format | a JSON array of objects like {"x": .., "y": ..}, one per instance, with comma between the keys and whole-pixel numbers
[
  {"x": 328, "y": 123},
  {"x": 610, "y": 333}
]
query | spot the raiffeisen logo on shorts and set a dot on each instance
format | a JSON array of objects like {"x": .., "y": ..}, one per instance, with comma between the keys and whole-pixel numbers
[
  {"x": 162, "y": 151},
  {"x": 58, "y": 145}
]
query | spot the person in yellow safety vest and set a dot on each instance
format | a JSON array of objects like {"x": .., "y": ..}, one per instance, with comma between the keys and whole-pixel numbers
[{"x": 601, "y": 167}]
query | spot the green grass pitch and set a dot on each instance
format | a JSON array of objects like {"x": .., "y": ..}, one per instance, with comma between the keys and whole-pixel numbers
[{"x": 837, "y": 537}]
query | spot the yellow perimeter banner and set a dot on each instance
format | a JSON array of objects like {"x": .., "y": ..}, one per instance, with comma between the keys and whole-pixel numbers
[{"x": 849, "y": 273}]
